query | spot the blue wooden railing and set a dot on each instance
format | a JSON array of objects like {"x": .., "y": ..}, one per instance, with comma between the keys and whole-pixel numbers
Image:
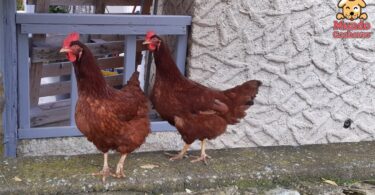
[{"x": 130, "y": 26}]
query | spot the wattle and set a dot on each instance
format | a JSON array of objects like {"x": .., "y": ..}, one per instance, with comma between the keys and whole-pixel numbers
[
  {"x": 71, "y": 57},
  {"x": 151, "y": 47}
]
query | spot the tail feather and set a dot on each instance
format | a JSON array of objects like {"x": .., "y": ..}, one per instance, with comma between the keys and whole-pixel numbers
[
  {"x": 242, "y": 97},
  {"x": 133, "y": 84},
  {"x": 134, "y": 79}
]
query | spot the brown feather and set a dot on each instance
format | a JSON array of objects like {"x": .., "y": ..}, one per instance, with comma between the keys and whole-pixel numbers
[
  {"x": 198, "y": 112},
  {"x": 111, "y": 119}
]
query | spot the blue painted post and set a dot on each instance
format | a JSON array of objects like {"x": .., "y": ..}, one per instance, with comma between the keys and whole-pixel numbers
[
  {"x": 2, "y": 26},
  {"x": 130, "y": 54},
  {"x": 8, "y": 23},
  {"x": 23, "y": 79},
  {"x": 73, "y": 98},
  {"x": 181, "y": 52},
  {"x": 2, "y": 54}
]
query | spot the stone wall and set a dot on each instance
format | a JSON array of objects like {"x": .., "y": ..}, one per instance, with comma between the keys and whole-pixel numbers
[{"x": 312, "y": 82}]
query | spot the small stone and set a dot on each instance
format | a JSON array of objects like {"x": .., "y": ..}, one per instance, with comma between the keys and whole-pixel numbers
[
  {"x": 17, "y": 179},
  {"x": 280, "y": 191}
]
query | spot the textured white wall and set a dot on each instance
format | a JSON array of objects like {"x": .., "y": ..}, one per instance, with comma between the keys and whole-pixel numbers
[{"x": 312, "y": 82}]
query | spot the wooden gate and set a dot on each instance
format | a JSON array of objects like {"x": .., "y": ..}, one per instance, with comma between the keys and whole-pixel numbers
[{"x": 131, "y": 26}]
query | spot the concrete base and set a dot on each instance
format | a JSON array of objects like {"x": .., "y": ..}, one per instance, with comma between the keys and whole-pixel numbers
[
  {"x": 250, "y": 169},
  {"x": 80, "y": 145},
  {"x": 160, "y": 141}
]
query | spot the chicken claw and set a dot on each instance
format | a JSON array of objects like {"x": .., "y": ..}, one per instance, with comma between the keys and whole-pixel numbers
[
  {"x": 120, "y": 167},
  {"x": 174, "y": 157},
  {"x": 105, "y": 172},
  {"x": 180, "y": 155},
  {"x": 119, "y": 173},
  {"x": 177, "y": 157},
  {"x": 203, "y": 158}
]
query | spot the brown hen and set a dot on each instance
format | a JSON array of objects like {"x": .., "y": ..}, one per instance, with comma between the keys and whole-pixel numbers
[
  {"x": 198, "y": 112},
  {"x": 111, "y": 119}
]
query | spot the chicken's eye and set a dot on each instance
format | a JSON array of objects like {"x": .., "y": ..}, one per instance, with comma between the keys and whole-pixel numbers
[
  {"x": 155, "y": 40},
  {"x": 75, "y": 47}
]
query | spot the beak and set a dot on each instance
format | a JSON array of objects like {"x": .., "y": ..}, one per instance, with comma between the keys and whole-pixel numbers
[
  {"x": 146, "y": 42},
  {"x": 65, "y": 50}
]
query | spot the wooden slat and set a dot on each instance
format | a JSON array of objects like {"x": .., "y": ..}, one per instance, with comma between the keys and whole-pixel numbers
[
  {"x": 35, "y": 78},
  {"x": 45, "y": 113},
  {"x": 48, "y": 132},
  {"x": 110, "y": 38},
  {"x": 64, "y": 68},
  {"x": 103, "y": 29},
  {"x": 146, "y": 9},
  {"x": 99, "y": 6},
  {"x": 114, "y": 80},
  {"x": 113, "y": 62},
  {"x": 69, "y": 131},
  {"x": 49, "y": 116},
  {"x": 52, "y": 105},
  {"x": 64, "y": 87},
  {"x": 87, "y": 19},
  {"x": 56, "y": 69},
  {"x": 55, "y": 89},
  {"x": 46, "y": 54},
  {"x": 90, "y": 2},
  {"x": 41, "y": 6}
]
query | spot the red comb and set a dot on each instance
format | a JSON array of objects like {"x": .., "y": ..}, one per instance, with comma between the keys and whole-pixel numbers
[
  {"x": 150, "y": 34},
  {"x": 70, "y": 38}
]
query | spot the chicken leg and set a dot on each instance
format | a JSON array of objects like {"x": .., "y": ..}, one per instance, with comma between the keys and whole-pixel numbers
[
  {"x": 182, "y": 153},
  {"x": 203, "y": 156},
  {"x": 120, "y": 167},
  {"x": 105, "y": 172}
]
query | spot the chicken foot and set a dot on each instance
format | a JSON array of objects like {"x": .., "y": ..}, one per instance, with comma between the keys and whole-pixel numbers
[
  {"x": 181, "y": 154},
  {"x": 105, "y": 172},
  {"x": 120, "y": 167},
  {"x": 203, "y": 156}
]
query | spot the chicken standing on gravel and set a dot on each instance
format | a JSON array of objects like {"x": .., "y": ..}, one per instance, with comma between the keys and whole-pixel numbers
[
  {"x": 198, "y": 112},
  {"x": 112, "y": 119}
]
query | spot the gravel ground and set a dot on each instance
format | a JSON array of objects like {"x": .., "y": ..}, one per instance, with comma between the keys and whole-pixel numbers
[{"x": 265, "y": 170}]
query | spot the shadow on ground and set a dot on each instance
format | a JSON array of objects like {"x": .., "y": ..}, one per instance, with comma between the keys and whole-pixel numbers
[{"x": 250, "y": 170}]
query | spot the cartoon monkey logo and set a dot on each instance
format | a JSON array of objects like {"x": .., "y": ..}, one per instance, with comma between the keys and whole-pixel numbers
[{"x": 351, "y": 10}]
